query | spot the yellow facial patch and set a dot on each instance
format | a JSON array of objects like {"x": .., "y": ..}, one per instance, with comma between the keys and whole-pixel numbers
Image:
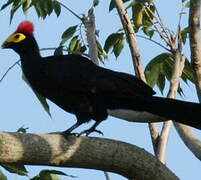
[{"x": 16, "y": 38}]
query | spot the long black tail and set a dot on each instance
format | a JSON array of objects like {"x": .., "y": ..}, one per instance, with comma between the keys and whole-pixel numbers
[{"x": 180, "y": 111}]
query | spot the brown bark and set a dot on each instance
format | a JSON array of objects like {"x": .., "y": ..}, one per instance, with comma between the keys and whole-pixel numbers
[{"x": 82, "y": 152}]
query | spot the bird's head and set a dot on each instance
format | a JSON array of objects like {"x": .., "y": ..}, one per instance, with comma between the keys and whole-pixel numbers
[{"x": 22, "y": 40}]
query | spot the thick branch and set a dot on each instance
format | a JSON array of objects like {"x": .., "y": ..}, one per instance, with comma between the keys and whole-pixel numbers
[
  {"x": 195, "y": 42},
  {"x": 83, "y": 152}
]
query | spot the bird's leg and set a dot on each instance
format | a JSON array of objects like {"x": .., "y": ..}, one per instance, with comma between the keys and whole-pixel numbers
[
  {"x": 92, "y": 129},
  {"x": 74, "y": 126}
]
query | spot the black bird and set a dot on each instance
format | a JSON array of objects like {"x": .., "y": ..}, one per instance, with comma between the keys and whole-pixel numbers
[{"x": 80, "y": 87}]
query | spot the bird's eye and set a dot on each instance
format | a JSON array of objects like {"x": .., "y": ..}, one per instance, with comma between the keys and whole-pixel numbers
[{"x": 16, "y": 36}]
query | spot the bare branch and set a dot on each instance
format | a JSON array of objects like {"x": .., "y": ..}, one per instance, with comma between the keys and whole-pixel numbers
[
  {"x": 71, "y": 11},
  {"x": 135, "y": 53},
  {"x": 4, "y": 75},
  {"x": 89, "y": 23},
  {"x": 174, "y": 83},
  {"x": 185, "y": 132},
  {"x": 189, "y": 138},
  {"x": 83, "y": 152},
  {"x": 144, "y": 37}
]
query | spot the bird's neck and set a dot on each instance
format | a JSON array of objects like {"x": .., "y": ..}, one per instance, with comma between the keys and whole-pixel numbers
[
  {"x": 31, "y": 62},
  {"x": 30, "y": 54}
]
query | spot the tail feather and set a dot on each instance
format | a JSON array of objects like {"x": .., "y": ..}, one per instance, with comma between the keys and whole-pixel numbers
[
  {"x": 187, "y": 113},
  {"x": 180, "y": 111}
]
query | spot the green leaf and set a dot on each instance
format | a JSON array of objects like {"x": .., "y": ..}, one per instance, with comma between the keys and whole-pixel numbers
[
  {"x": 111, "y": 40},
  {"x": 72, "y": 44},
  {"x": 40, "y": 98},
  {"x": 161, "y": 83},
  {"x": 57, "y": 8},
  {"x": 149, "y": 32},
  {"x": 187, "y": 4},
  {"x": 148, "y": 15},
  {"x": 2, "y": 176},
  {"x": 137, "y": 14},
  {"x": 16, "y": 168},
  {"x": 160, "y": 68},
  {"x": 58, "y": 51},
  {"x": 68, "y": 33},
  {"x": 7, "y": 4},
  {"x": 43, "y": 102},
  {"x": 39, "y": 7},
  {"x": 25, "y": 6},
  {"x": 22, "y": 130},
  {"x": 188, "y": 72},
  {"x": 112, "y": 4},
  {"x": 155, "y": 72},
  {"x": 50, "y": 175},
  {"x": 114, "y": 41},
  {"x": 15, "y": 7},
  {"x": 118, "y": 47},
  {"x": 101, "y": 52},
  {"x": 95, "y": 3},
  {"x": 184, "y": 34}
]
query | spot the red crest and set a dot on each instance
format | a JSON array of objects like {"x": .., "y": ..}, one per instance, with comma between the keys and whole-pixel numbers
[{"x": 26, "y": 27}]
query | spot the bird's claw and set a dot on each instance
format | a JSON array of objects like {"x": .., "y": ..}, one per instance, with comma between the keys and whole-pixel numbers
[
  {"x": 89, "y": 131},
  {"x": 70, "y": 133}
]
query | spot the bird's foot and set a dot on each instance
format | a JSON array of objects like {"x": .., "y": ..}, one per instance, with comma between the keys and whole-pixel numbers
[
  {"x": 68, "y": 133},
  {"x": 89, "y": 131}
]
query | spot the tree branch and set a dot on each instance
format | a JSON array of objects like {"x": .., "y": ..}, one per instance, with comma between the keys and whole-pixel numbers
[
  {"x": 135, "y": 53},
  {"x": 82, "y": 152},
  {"x": 174, "y": 84},
  {"x": 90, "y": 25},
  {"x": 195, "y": 42},
  {"x": 185, "y": 132}
]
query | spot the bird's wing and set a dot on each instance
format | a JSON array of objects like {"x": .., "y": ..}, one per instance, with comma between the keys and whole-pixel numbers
[{"x": 76, "y": 73}]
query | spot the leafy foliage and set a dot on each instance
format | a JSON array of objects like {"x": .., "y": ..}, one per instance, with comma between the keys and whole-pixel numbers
[
  {"x": 42, "y": 8},
  {"x": 143, "y": 16},
  {"x": 22, "y": 130},
  {"x": 50, "y": 175},
  {"x": 67, "y": 34},
  {"x": 160, "y": 68},
  {"x": 184, "y": 34},
  {"x": 16, "y": 168},
  {"x": 101, "y": 52},
  {"x": 40, "y": 98},
  {"x": 115, "y": 42},
  {"x": 2, "y": 176}
]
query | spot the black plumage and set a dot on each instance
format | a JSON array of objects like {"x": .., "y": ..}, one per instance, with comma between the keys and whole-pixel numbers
[{"x": 80, "y": 87}]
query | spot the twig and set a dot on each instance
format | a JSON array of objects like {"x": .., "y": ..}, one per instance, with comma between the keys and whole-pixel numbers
[
  {"x": 106, "y": 175},
  {"x": 159, "y": 21},
  {"x": 71, "y": 11},
  {"x": 144, "y": 37},
  {"x": 4, "y": 75},
  {"x": 54, "y": 48}
]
